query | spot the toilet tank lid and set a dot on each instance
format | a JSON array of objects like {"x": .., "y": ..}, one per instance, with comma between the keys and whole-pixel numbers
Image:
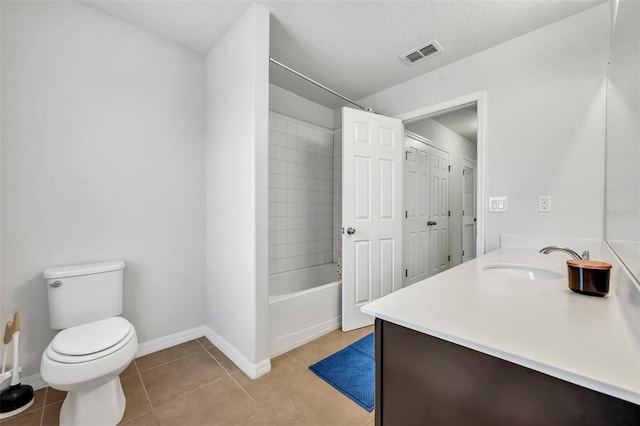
[{"x": 83, "y": 269}]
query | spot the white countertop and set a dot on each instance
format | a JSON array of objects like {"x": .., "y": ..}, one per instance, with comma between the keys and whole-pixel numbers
[{"x": 539, "y": 324}]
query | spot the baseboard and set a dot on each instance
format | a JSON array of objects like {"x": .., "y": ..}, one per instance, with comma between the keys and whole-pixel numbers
[
  {"x": 144, "y": 348},
  {"x": 251, "y": 369},
  {"x": 35, "y": 381},
  {"x": 155, "y": 345}
]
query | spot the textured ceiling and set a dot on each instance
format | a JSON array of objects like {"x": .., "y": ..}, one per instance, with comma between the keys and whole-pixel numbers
[{"x": 352, "y": 47}]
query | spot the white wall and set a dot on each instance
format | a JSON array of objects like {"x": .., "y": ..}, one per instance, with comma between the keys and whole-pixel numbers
[
  {"x": 102, "y": 158},
  {"x": 545, "y": 122},
  {"x": 457, "y": 147},
  {"x": 623, "y": 137},
  {"x": 288, "y": 103},
  {"x": 237, "y": 191},
  {"x": 2, "y": 317}
]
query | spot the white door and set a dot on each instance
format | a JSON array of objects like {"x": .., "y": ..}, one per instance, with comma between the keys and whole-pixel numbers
[
  {"x": 468, "y": 210},
  {"x": 415, "y": 234},
  {"x": 373, "y": 147},
  {"x": 439, "y": 211}
]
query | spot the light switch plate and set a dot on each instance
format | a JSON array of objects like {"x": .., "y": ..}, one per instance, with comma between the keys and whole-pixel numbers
[{"x": 498, "y": 205}]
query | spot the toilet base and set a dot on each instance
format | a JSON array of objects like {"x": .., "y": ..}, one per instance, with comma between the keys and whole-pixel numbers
[{"x": 101, "y": 406}]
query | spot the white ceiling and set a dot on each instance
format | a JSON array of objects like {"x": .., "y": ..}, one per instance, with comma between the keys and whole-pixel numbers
[
  {"x": 352, "y": 47},
  {"x": 463, "y": 121}
]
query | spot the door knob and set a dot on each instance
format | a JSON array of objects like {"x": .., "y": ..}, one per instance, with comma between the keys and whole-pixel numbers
[{"x": 351, "y": 231}]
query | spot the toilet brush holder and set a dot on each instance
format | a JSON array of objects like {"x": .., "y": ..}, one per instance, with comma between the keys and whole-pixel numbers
[{"x": 5, "y": 380}]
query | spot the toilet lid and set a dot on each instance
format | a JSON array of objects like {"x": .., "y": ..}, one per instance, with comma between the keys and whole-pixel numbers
[{"x": 91, "y": 338}]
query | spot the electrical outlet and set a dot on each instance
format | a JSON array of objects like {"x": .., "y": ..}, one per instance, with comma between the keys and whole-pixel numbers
[{"x": 544, "y": 203}]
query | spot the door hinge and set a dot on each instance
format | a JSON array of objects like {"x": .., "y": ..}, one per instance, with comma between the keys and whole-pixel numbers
[
  {"x": 449, "y": 213},
  {"x": 462, "y": 171},
  {"x": 406, "y": 272},
  {"x": 449, "y": 167},
  {"x": 406, "y": 155},
  {"x": 406, "y": 214},
  {"x": 449, "y": 258},
  {"x": 463, "y": 252}
]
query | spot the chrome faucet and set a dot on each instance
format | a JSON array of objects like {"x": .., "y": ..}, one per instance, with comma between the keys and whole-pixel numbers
[{"x": 585, "y": 254}]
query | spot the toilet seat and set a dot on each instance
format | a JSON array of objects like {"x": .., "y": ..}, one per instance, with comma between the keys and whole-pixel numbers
[{"x": 90, "y": 341}]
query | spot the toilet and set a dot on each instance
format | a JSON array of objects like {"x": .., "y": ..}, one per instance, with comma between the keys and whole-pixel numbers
[{"x": 94, "y": 345}]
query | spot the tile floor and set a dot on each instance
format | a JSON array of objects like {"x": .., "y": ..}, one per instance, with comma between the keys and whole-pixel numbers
[{"x": 194, "y": 384}]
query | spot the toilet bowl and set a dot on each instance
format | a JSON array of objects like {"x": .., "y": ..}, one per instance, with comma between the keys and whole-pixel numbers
[
  {"x": 86, "y": 361},
  {"x": 94, "y": 345}
]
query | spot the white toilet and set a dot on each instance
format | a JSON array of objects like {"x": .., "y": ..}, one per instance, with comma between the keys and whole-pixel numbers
[{"x": 94, "y": 346}]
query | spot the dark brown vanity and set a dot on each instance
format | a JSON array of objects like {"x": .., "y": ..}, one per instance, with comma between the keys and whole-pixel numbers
[{"x": 423, "y": 380}]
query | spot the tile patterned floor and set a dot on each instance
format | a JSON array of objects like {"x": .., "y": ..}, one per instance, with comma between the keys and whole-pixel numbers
[{"x": 194, "y": 384}]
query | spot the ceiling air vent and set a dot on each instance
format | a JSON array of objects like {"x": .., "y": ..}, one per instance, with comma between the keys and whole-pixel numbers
[{"x": 420, "y": 53}]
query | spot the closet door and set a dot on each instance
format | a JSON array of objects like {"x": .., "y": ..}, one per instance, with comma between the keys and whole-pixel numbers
[
  {"x": 439, "y": 210},
  {"x": 373, "y": 148},
  {"x": 426, "y": 221},
  {"x": 416, "y": 230},
  {"x": 469, "y": 210}
]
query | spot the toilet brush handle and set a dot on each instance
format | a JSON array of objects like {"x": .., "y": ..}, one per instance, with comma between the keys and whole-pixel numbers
[
  {"x": 12, "y": 334},
  {"x": 12, "y": 328},
  {"x": 4, "y": 360},
  {"x": 8, "y": 333},
  {"x": 6, "y": 339},
  {"x": 16, "y": 322},
  {"x": 15, "y": 373}
]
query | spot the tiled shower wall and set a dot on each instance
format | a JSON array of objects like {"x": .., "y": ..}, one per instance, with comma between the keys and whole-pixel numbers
[
  {"x": 300, "y": 194},
  {"x": 337, "y": 194}
]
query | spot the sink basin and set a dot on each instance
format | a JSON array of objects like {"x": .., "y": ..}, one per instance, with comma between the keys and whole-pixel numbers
[{"x": 523, "y": 272}]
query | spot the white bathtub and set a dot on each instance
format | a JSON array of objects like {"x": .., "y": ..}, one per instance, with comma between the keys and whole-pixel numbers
[{"x": 303, "y": 304}]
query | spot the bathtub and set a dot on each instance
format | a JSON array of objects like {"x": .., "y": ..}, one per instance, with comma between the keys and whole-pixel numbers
[{"x": 303, "y": 304}]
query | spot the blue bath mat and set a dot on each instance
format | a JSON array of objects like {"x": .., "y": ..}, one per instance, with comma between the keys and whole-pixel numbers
[{"x": 351, "y": 371}]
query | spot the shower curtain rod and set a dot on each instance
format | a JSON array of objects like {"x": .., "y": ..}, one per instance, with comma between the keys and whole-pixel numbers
[{"x": 320, "y": 85}]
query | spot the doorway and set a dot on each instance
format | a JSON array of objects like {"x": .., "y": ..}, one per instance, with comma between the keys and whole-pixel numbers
[
  {"x": 370, "y": 182},
  {"x": 427, "y": 214},
  {"x": 469, "y": 238},
  {"x": 440, "y": 191}
]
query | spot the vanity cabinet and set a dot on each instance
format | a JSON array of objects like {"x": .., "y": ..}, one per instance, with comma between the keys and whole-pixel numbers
[{"x": 423, "y": 380}]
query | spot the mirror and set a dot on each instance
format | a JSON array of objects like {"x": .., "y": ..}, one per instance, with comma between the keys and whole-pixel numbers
[{"x": 622, "y": 173}]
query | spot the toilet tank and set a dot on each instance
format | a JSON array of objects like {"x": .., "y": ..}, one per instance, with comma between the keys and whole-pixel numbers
[{"x": 79, "y": 294}]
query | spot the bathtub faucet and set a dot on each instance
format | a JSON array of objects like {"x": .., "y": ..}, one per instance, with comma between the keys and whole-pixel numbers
[{"x": 585, "y": 254}]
